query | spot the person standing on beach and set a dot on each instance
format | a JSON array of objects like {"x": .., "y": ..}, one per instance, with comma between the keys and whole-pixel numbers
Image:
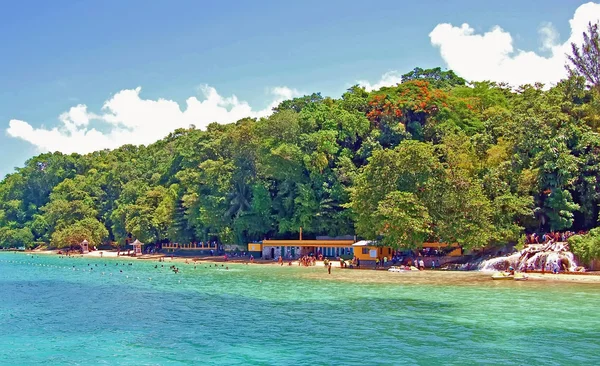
[
  {"x": 543, "y": 266},
  {"x": 329, "y": 268}
]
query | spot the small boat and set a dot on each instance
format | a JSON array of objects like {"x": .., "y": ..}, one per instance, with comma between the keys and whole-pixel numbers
[
  {"x": 402, "y": 269},
  {"x": 502, "y": 276},
  {"x": 508, "y": 276}
]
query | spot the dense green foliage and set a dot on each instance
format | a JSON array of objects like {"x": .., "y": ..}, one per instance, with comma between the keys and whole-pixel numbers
[
  {"x": 586, "y": 247},
  {"x": 433, "y": 158}
]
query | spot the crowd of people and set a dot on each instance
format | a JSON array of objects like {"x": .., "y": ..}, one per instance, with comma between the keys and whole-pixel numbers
[
  {"x": 355, "y": 262},
  {"x": 551, "y": 237},
  {"x": 433, "y": 252},
  {"x": 307, "y": 260},
  {"x": 552, "y": 266}
]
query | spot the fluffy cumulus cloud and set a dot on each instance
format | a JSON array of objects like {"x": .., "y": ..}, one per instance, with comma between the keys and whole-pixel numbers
[
  {"x": 127, "y": 118},
  {"x": 492, "y": 55},
  {"x": 388, "y": 79}
]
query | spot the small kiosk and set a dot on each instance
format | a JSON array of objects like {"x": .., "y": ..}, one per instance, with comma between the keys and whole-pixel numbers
[
  {"x": 137, "y": 248},
  {"x": 84, "y": 247},
  {"x": 368, "y": 251}
]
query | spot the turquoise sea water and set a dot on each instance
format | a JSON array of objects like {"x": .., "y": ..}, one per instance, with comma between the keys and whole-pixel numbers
[{"x": 58, "y": 311}]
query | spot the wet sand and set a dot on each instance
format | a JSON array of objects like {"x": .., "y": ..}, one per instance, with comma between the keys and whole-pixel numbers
[{"x": 445, "y": 278}]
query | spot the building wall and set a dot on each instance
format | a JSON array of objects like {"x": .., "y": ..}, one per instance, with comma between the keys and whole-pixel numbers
[
  {"x": 334, "y": 252},
  {"x": 456, "y": 252},
  {"x": 271, "y": 252},
  {"x": 295, "y": 252},
  {"x": 255, "y": 250},
  {"x": 364, "y": 253},
  {"x": 254, "y": 247}
]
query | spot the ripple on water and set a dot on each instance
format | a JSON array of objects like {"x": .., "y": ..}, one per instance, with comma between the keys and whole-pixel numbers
[{"x": 247, "y": 315}]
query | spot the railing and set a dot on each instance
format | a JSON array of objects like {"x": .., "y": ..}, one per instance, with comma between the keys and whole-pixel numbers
[{"x": 190, "y": 246}]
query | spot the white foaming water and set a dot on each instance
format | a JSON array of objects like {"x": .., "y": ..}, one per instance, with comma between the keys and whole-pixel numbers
[{"x": 534, "y": 257}]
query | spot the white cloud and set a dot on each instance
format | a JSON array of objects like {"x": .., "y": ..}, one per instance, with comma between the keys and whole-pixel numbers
[
  {"x": 390, "y": 78},
  {"x": 492, "y": 56},
  {"x": 548, "y": 36},
  {"x": 130, "y": 119}
]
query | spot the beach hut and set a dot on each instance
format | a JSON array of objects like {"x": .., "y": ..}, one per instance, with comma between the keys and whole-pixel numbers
[
  {"x": 368, "y": 251},
  {"x": 84, "y": 247},
  {"x": 137, "y": 247}
]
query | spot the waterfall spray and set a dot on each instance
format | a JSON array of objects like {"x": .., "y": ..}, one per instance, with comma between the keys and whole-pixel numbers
[{"x": 535, "y": 257}]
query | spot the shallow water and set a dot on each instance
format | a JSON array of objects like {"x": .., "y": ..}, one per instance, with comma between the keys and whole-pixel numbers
[{"x": 62, "y": 311}]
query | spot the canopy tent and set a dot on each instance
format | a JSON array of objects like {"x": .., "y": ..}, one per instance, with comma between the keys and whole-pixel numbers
[
  {"x": 85, "y": 247},
  {"x": 137, "y": 247}
]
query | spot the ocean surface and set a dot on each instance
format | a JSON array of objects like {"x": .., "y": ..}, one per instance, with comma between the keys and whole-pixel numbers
[{"x": 82, "y": 311}]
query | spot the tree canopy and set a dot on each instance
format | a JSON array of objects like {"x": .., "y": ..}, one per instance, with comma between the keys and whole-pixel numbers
[{"x": 432, "y": 158}]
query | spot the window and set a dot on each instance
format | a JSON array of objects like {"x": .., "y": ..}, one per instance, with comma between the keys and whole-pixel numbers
[{"x": 365, "y": 250}]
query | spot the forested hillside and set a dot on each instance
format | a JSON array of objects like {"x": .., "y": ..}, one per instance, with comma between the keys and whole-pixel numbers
[{"x": 433, "y": 158}]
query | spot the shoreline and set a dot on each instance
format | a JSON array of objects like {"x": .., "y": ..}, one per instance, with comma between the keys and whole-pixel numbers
[{"x": 365, "y": 273}]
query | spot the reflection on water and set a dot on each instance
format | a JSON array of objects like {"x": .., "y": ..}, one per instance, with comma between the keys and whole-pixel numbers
[{"x": 63, "y": 311}]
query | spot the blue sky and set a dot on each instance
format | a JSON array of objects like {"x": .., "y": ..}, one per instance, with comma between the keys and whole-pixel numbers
[{"x": 59, "y": 54}]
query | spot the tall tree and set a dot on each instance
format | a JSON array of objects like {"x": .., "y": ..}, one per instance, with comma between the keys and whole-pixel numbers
[{"x": 585, "y": 59}]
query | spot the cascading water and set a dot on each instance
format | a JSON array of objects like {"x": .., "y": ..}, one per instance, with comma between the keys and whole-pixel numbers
[{"x": 535, "y": 257}]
